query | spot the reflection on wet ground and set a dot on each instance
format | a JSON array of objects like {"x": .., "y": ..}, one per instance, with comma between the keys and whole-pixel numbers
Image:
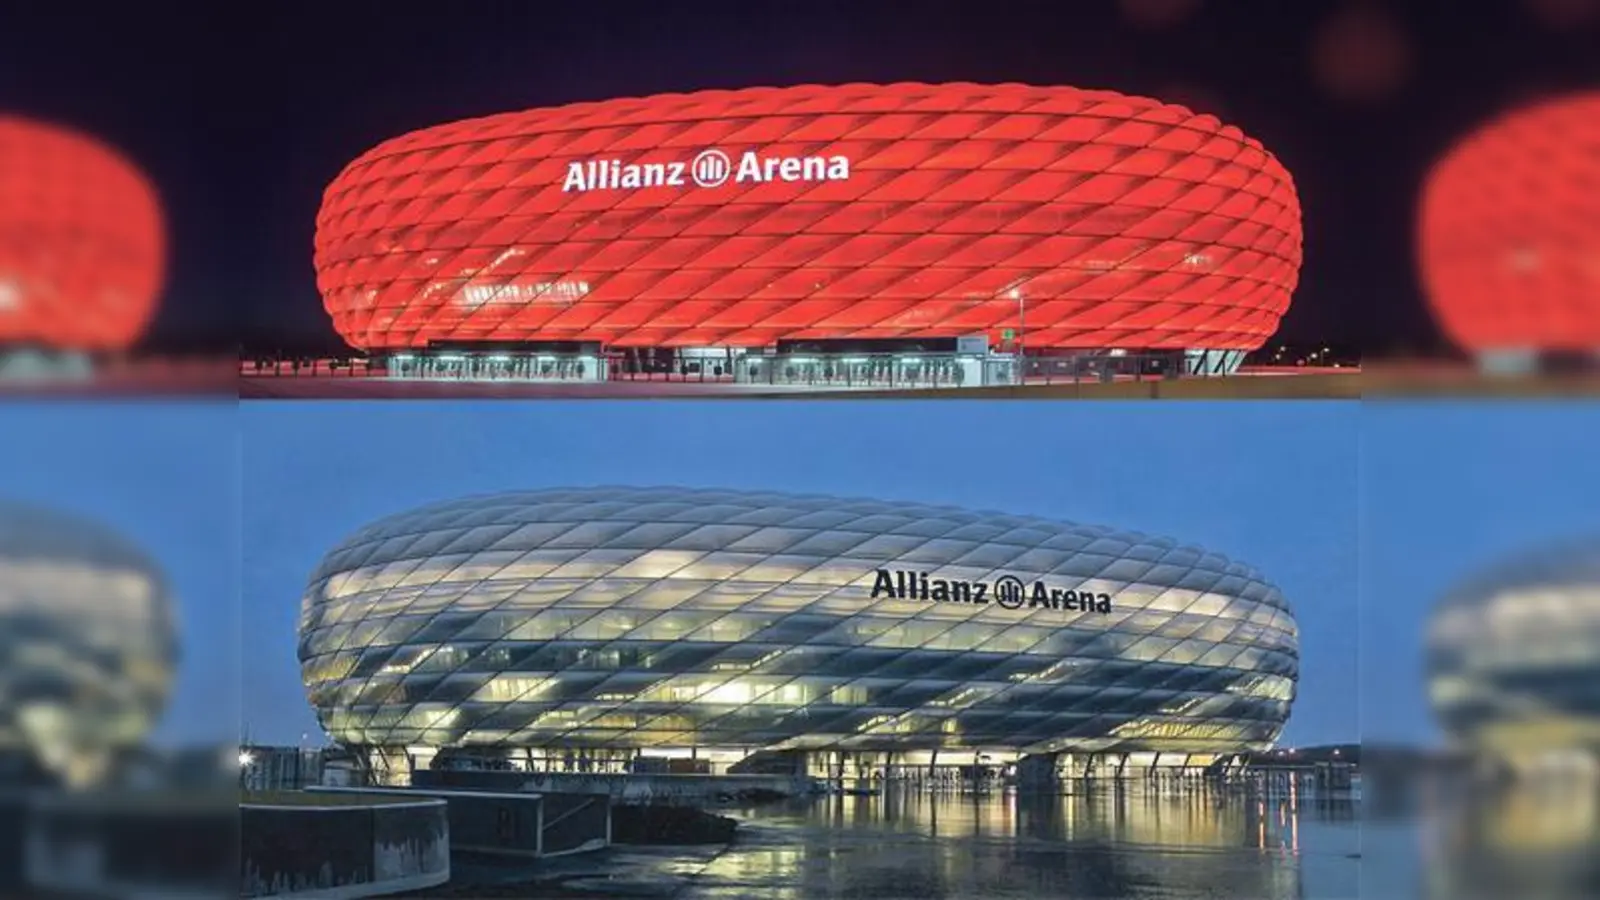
[
  {"x": 1455, "y": 838},
  {"x": 1124, "y": 844},
  {"x": 1105, "y": 844}
]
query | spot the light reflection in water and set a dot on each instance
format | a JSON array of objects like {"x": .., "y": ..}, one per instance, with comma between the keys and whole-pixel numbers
[
  {"x": 1536, "y": 835},
  {"x": 1132, "y": 842}
]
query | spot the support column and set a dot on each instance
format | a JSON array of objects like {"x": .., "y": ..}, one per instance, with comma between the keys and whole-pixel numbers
[
  {"x": 538, "y": 827},
  {"x": 1040, "y": 772}
]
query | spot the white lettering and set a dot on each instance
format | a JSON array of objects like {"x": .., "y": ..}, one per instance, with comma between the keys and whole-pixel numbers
[
  {"x": 749, "y": 168},
  {"x": 475, "y": 295},
  {"x": 613, "y": 174},
  {"x": 574, "y": 180}
]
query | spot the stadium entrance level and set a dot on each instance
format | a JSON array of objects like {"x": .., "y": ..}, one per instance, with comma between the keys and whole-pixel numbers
[{"x": 887, "y": 364}]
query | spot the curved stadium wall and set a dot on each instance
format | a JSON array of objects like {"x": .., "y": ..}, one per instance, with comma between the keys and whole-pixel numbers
[
  {"x": 1087, "y": 219},
  {"x": 668, "y": 617},
  {"x": 89, "y": 639},
  {"x": 82, "y": 241},
  {"x": 1506, "y": 239},
  {"x": 1513, "y": 654}
]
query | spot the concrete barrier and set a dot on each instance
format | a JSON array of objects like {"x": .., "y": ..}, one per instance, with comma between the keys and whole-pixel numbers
[
  {"x": 343, "y": 850},
  {"x": 119, "y": 845},
  {"x": 657, "y": 824},
  {"x": 635, "y": 788},
  {"x": 514, "y": 824}
]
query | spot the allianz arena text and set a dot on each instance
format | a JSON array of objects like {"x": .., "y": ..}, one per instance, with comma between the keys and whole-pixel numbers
[
  {"x": 648, "y": 619},
  {"x": 1065, "y": 218}
]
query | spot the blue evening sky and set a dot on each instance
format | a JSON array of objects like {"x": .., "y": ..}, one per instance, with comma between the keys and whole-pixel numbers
[
  {"x": 165, "y": 476},
  {"x": 1273, "y": 484},
  {"x": 1447, "y": 489}
]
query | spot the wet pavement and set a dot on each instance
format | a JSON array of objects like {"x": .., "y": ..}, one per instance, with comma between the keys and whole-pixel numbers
[
  {"x": 1450, "y": 837},
  {"x": 1128, "y": 845}
]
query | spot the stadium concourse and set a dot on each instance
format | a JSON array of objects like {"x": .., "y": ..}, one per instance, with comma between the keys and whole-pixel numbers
[{"x": 342, "y": 379}]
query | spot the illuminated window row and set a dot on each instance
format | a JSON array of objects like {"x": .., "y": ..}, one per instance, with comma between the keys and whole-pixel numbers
[
  {"x": 368, "y": 625},
  {"x": 645, "y": 655}
]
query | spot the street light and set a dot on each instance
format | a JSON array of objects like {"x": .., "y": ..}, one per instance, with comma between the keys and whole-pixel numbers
[
  {"x": 1022, "y": 328},
  {"x": 245, "y": 759}
]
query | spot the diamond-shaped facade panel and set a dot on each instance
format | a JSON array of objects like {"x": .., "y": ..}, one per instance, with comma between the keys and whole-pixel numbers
[
  {"x": 1514, "y": 653},
  {"x": 671, "y": 617},
  {"x": 82, "y": 241},
  {"x": 1509, "y": 231},
  {"x": 742, "y": 218}
]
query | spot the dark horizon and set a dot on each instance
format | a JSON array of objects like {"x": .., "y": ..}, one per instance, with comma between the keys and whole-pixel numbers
[{"x": 241, "y": 136}]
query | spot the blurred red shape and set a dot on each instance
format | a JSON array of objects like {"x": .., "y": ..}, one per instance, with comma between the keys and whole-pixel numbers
[
  {"x": 1118, "y": 221},
  {"x": 1509, "y": 231},
  {"x": 1360, "y": 54},
  {"x": 1158, "y": 13},
  {"x": 82, "y": 241},
  {"x": 1565, "y": 14}
]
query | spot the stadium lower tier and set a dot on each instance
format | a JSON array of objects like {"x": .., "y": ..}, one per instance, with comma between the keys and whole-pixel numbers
[
  {"x": 934, "y": 364},
  {"x": 395, "y": 765}
]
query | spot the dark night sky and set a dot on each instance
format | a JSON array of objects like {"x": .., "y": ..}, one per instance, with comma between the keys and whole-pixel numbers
[{"x": 242, "y": 119}]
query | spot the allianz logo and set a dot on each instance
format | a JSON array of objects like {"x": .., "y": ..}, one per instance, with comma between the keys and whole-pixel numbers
[
  {"x": 1007, "y": 592},
  {"x": 709, "y": 169}
]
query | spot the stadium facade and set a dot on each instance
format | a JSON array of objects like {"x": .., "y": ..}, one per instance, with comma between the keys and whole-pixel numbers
[
  {"x": 88, "y": 647},
  {"x": 1514, "y": 654},
  {"x": 82, "y": 250},
  {"x": 731, "y": 627},
  {"x": 809, "y": 229},
  {"x": 1507, "y": 238}
]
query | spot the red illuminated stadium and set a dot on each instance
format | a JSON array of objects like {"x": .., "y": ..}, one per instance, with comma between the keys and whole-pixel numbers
[
  {"x": 1509, "y": 232},
  {"x": 850, "y": 218},
  {"x": 82, "y": 242}
]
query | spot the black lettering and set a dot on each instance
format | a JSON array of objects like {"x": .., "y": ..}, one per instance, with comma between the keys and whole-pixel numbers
[
  {"x": 882, "y": 584},
  {"x": 1041, "y": 596},
  {"x": 900, "y": 579},
  {"x": 941, "y": 590},
  {"x": 1104, "y": 606},
  {"x": 922, "y": 580},
  {"x": 980, "y": 592},
  {"x": 961, "y": 592}
]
